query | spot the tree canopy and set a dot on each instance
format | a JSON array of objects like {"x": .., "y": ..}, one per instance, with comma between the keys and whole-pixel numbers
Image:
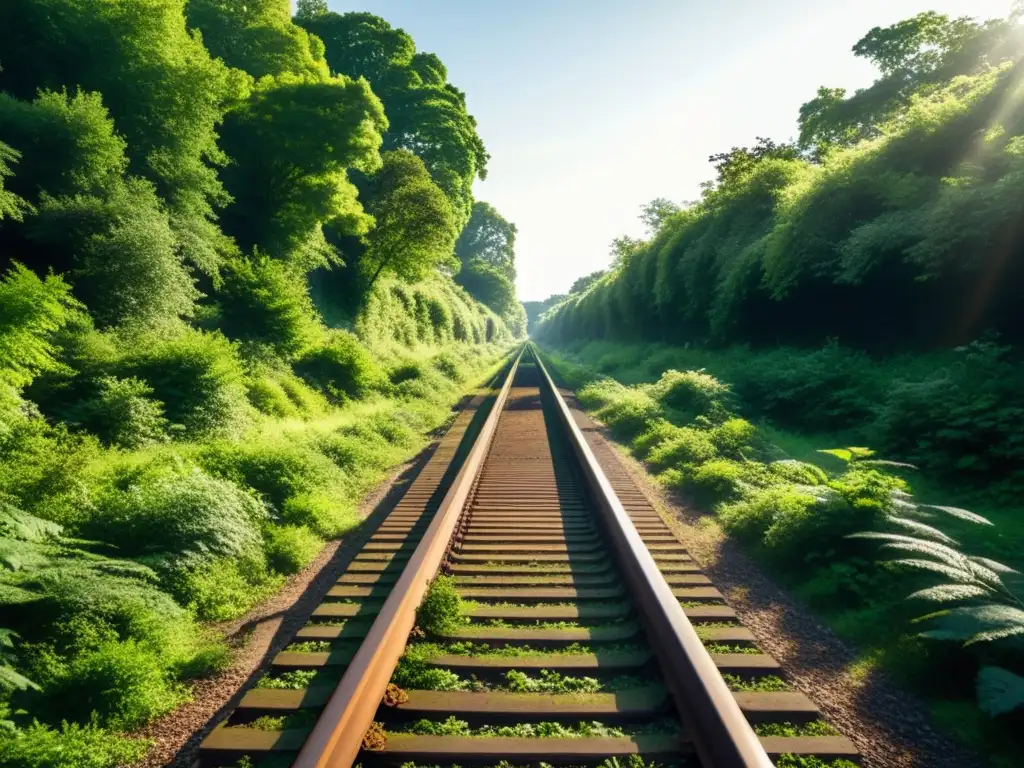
[
  {"x": 490, "y": 238},
  {"x": 894, "y": 223},
  {"x": 427, "y": 114}
]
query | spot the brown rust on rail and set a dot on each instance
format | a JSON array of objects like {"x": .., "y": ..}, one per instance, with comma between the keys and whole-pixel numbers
[
  {"x": 714, "y": 720},
  {"x": 338, "y": 734}
]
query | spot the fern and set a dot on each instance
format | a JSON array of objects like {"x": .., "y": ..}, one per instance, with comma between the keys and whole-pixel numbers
[
  {"x": 11, "y": 679},
  {"x": 999, "y": 690},
  {"x": 979, "y": 606},
  {"x": 15, "y": 524}
]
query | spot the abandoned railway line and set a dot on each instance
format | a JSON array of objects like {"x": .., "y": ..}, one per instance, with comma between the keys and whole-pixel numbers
[{"x": 588, "y": 631}]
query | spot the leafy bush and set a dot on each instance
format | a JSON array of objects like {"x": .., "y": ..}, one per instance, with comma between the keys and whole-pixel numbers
[
  {"x": 123, "y": 683},
  {"x": 733, "y": 437},
  {"x": 220, "y": 589},
  {"x": 71, "y": 746},
  {"x": 441, "y": 609},
  {"x": 691, "y": 394},
  {"x": 124, "y": 413},
  {"x": 628, "y": 414},
  {"x": 197, "y": 376},
  {"x": 960, "y": 418},
  {"x": 686, "y": 446},
  {"x": 30, "y": 311},
  {"x": 341, "y": 367},
  {"x": 290, "y": 548},
  {"x": 267, "y": 301},
  {"x": 303, "y": 486},
  {"x": 175, "y": 509}
]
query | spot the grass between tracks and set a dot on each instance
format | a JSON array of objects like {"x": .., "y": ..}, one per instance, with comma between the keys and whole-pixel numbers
[{"x": 794, "y": 505}]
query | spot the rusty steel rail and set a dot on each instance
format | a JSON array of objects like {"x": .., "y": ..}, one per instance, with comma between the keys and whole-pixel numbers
[
  {"x": 337, "y": 737},
  {"x": 721, "y": 734}
]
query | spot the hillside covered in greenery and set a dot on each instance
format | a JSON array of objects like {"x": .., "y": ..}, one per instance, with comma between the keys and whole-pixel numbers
[
  {"x": 857, "y": 286},
  {"x": 242, "y": 275}
]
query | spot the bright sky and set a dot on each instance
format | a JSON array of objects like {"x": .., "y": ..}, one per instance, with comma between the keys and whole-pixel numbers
[{"x": 590, "y": 108}]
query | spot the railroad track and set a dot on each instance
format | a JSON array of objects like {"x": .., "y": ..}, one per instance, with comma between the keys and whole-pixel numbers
[{"x": 590, "y": 632}]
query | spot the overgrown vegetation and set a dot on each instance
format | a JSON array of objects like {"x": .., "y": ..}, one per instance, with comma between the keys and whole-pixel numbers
[
  {"x": 816, "y": 522},
  {"x": 893, "y": 222},
  {"x": 226, "y": 309}
]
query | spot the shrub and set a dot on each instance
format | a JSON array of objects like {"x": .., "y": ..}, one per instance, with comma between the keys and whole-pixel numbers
[
  {"x": 441, "y": 609},
  {"x": 123, "y": 413},
  {"x": 199, "y": 379},
  {"x": 268, "y": 396},
  {"x": 656, "y": 434},
  {"x": 687, "y": 446},
  {"x": 172, "y": 508},
  {"x": 449, "y": 366},
  {"x": 267, "y": 301},
  {"x": 77, "y": 605},
  {"x": 716, "y": 479},
  {"x": 733, "y": 436},
  {"x": 72, "y": 746},
  {"x": 689, "y": 394},
  {"x": 303, "y": 486},
  {"x": 408, "y": 371},
  {"x": 122, "y": 682},
  {"x": 341, "y": 367},
  {"x": 221, "y": 589},
  {"x": 629, "y": 413},
  {"x": 290, "y": 548}
]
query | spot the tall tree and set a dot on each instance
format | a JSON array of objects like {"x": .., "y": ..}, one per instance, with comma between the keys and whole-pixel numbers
[
  {"x": 489, "y": 237},
  {"x": 294, "y": 141},
  {"x": 654, "y": 214},
  {"x": 427, "y": 115},
  {"x": 415, "y": 228},
  {"x": 258, "y": 36},
  {"x": 165, "y": 92},
  {"x": 913, "y": 56}
]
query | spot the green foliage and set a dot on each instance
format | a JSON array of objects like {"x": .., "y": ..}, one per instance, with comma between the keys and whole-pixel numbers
[
  {"x": 197, "y": 376},
  {"x": 807, "y": 761},
  {"x": 124, "y": 684},
  {"x": 690, "y": 394},
  {"x": 309, "y": 132},
  {"x": 11, "y": 206},
  {"x": 550, "y": 682},
  {"x": 165, "y": 93},
  {"x": 302, "y": 485},
  {"x": 266, "y": 301},
  {"x": 426, "y": 114},
  {"x": 490, "y": 238},
  {"x": 124, "y": 413},
  {"x": 31, "y": 310},
  {"x": 415, "y": 227},
  {"x": 71, "y": 746},
  {"x": 290, "y": 548},
  {"x": 441, "y": 610},
  {"x": 341, "y": 367},
  {"x": 414, "y": 674},
  {"x": 257, "y": 37},
  {"x": 294, "y": 680}
]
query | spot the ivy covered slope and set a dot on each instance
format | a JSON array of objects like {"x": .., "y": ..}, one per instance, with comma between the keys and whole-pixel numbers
[
  {"x": 857, "y": 287},
  {"x": 227, "y": 307}
]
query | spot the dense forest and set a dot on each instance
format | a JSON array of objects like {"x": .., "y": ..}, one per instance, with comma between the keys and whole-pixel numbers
[
  {"x": 856, "y": 286},
  {"x": 242, "y": 274}
]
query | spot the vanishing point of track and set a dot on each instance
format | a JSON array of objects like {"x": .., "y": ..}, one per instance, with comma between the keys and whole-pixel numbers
[{"x": 554, "y": 545}]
